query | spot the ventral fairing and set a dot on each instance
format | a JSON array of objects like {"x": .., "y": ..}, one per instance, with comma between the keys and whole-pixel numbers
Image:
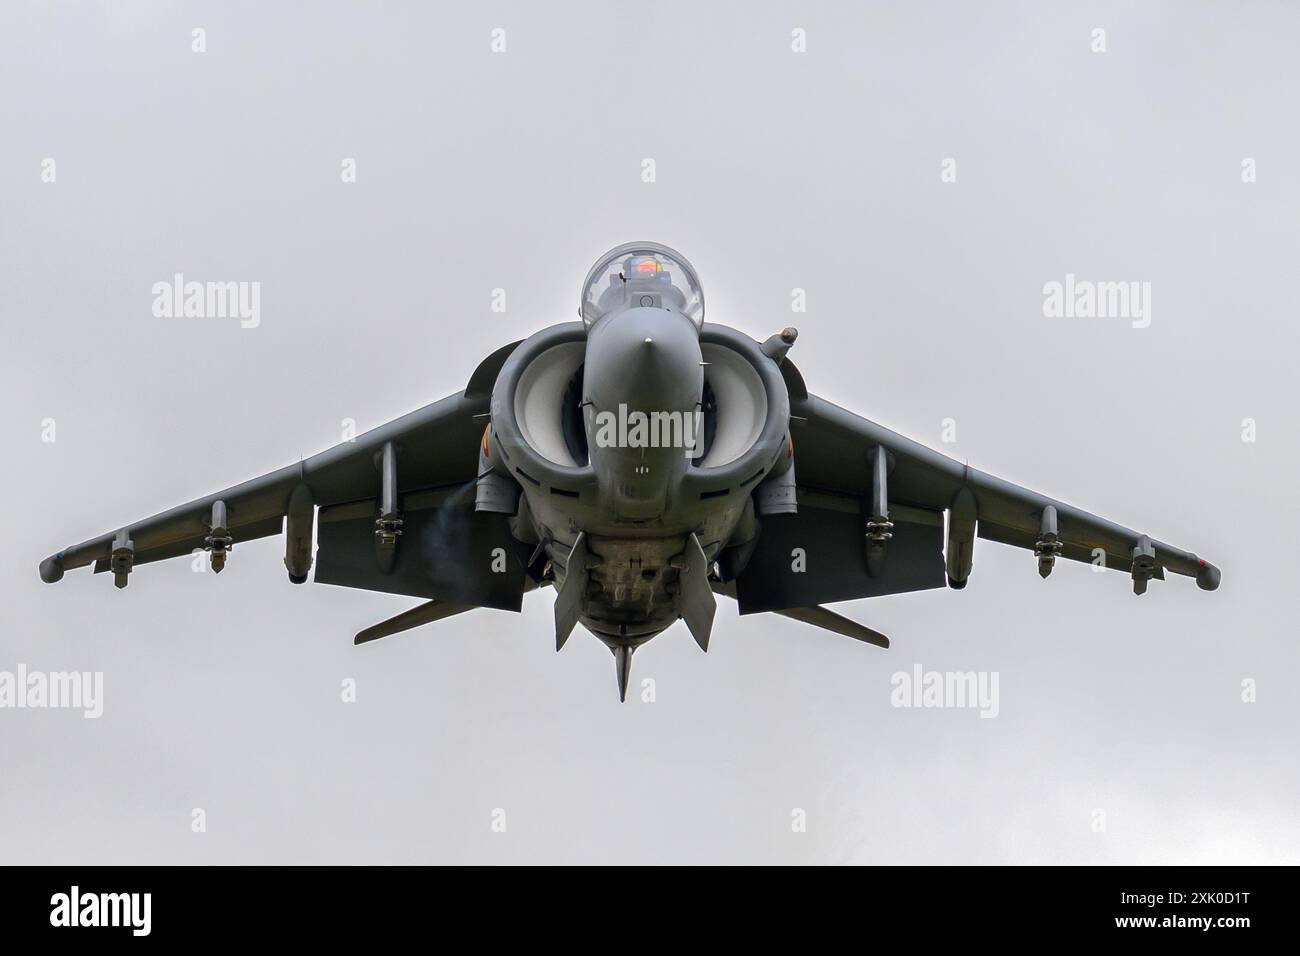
[{"x": 640, "y": 462}]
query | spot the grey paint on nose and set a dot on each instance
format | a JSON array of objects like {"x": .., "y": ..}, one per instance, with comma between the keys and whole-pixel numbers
[
  {"x": 646, "y": 358},
  {"x": 642, "y": 360}
]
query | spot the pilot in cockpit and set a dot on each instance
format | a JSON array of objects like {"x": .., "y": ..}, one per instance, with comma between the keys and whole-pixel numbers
[{"x": 645, "y": 275}]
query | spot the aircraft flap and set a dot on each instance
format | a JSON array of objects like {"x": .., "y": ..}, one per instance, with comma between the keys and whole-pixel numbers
[
  {"x": 446, "y": 550},
  {"x": 818, "y": 556}
]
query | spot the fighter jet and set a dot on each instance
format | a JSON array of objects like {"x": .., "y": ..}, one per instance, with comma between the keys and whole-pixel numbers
[{"x": 641, "y": 462}]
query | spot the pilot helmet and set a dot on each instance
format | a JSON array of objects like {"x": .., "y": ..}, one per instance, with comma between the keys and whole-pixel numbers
[{"x": 641, "y": 274}]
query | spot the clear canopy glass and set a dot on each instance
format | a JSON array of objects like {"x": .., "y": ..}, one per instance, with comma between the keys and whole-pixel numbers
[{"x": 642, "y": 274}]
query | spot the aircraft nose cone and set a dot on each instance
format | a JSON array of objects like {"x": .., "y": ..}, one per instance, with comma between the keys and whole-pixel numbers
[
  {"x": 646, "y": 359},
  {"x": 642, "y": 381}
]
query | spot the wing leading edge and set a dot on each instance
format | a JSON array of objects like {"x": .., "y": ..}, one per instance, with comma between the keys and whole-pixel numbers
[
  {"x": 432, "y": 446},
  {"x": 828, "y": 440}
]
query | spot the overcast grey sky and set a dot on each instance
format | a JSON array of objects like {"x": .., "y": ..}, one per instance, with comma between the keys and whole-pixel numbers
[{"x": 775, "y": 170}]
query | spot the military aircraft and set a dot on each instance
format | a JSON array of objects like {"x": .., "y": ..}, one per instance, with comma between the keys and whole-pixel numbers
[{"x": 640, "y": 461}]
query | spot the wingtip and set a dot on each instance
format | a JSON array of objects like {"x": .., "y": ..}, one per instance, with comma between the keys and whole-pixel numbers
[{"x": 52, "y": 568}]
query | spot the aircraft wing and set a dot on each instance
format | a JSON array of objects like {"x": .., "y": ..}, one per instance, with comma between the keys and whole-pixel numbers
[
  {"x": 836, "y": 450},
  {"x": 432, "y": 447}
]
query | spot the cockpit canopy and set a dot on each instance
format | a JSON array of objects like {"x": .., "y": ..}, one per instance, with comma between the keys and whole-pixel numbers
[{"x": 641, "y": 274}]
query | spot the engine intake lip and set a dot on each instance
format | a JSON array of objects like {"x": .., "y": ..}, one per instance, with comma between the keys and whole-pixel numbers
[
  {"x": 761, "y": 457},
  {"x": 509, "y": 436},
  {"x": 772, "y": 436}
]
